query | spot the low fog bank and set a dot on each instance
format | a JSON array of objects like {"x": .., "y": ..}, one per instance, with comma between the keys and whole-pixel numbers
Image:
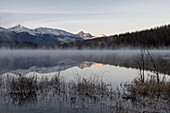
[
  {"x": 59, "y": 54},
  {"x": 26, "y": 58},
  {"x": 40, "y": 52}
]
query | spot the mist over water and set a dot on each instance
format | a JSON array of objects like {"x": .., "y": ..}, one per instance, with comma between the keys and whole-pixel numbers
[{"x": 53, "y": 60}]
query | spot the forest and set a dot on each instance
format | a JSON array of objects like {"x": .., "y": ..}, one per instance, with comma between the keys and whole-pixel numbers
[{"x": 158, "y": 37}]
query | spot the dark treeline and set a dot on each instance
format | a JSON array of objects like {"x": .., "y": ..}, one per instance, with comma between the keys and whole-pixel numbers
[{"x": 158, "y": 37}]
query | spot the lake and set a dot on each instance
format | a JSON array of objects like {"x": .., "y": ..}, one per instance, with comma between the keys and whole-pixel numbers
[{"x": 111, "y": 66}]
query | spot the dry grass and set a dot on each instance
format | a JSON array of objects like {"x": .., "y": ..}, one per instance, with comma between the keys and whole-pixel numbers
[
  {"x": 83, "y": 91},
  {"x": 90, "y": 86},
  {"x": 21, "y": 84},
  {"x": 150, "y": 87},
  {"x": 0, "y": 81}
]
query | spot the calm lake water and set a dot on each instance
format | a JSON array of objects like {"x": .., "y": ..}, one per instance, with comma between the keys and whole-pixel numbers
[{"x": 112, "y": 66}]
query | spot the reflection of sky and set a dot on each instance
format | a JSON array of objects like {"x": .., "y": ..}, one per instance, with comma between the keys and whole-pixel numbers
[
  {"x": 108, "y": 73},
  {"x": 96, "y": 16}
]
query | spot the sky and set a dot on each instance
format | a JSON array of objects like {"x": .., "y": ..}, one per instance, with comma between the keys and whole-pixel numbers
[{"x": 107, "y": 17}]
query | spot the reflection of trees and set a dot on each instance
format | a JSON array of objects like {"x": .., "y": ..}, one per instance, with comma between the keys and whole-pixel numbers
[{"x": 128, "y": 60}]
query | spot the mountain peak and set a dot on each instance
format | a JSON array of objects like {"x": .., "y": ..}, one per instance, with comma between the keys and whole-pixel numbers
[
  {"x": 19, "y": 25},
  {"x": 81, "y": 32},
  {"x": 84, "y": 35},
  {"x": 19, "y": 28}
]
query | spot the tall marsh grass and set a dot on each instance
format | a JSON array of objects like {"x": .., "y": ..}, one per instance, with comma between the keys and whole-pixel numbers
[{"x": 150, "y": 87}]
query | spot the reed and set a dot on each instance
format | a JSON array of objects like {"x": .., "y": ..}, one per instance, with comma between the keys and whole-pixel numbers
[
  {"x": 21, "y": 84},
  {"x": 150, "y": 87}
]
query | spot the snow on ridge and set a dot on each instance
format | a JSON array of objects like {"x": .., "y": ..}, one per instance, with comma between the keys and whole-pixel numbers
[
  {"x": 45, "y": 30},
  {"x": 40, "y": 30},
  {"x": 57, "y": 32},
  {"x": 19, "y": 28},
  {"x": 3, "y": 29},
  {"x": 98, "y": 36}
]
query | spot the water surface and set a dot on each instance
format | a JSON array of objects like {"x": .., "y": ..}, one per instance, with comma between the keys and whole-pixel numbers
[{"x": 111, "y": 66}]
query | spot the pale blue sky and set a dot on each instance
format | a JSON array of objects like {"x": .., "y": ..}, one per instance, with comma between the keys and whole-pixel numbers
[{"x": 95, "y": 16}]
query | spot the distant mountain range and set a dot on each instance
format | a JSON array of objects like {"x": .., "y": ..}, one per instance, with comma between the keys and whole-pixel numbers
[
  {"x": 41, "y": 35},
  {"x": 22, "y": 37}
]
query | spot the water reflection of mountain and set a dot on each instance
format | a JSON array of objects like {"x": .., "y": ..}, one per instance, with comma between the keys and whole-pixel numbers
[
  {"x": 46, "y": 69},
  {"x": 45, "y": 61},
  {"x": 89, "y": 64},
  {"x": 98, "y": 64},
  {"x": 84, "y": 64},
  {"x": 59, "y": 67}
]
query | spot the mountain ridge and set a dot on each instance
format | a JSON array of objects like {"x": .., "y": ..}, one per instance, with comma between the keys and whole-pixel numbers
[
  {"x": 40, "y": 35},
  {"x": 45, "y": 30},
  {"x": 40, "y": 30}
]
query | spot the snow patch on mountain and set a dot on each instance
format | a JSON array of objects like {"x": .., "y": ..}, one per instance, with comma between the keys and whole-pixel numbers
[
  {"x": 98, "y": 36},
  {"x": 57, "y": 32}
]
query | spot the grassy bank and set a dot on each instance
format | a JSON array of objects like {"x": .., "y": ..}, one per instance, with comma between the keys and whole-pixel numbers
[{"x": 137, "y": 96}]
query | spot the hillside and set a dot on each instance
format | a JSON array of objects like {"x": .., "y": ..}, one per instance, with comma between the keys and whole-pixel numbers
[
  {"x": 158, "y": 37},
  {"x": 40, "y": 36}
]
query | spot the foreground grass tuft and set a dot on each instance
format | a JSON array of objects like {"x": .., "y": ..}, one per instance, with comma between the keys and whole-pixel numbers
[
  {"x": 84, "y": 92},
  {"x": 150, "y": 88},
  {"x": 21, "y": 84}
]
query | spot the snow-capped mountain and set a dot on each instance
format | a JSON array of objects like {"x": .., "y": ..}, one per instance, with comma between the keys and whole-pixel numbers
[
  {"x": 98, "y": 36},
  {"x": 85, "y": 35},
  {"x": 39, "y": 35},
  {"x": 41, "y": 30}
]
